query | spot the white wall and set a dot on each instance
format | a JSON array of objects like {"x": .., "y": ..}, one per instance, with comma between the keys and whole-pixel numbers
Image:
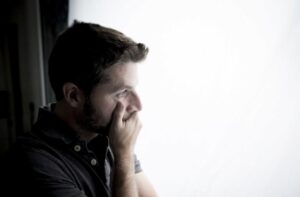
[{"x": 220, "y": 91}]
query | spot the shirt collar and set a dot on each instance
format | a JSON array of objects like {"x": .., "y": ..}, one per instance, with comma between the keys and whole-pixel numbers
[{"x": 52, "y": 127}]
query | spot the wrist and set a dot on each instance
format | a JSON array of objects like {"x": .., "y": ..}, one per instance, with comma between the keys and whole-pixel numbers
[
  {"x": 123, "y": 153},
  {"x": 124, "y": 157}
]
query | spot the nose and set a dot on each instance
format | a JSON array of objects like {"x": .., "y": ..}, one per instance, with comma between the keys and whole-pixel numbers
[{"x": 134, "y": 104}]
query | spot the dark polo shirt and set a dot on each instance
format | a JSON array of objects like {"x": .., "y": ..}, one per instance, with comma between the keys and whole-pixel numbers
[{"x": 52, "y": 161}]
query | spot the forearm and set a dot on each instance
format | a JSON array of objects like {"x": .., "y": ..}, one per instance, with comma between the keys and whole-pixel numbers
[
  {"x": 124, "y": 183},
  {"x": 145, "y": 187},
  {"x": 123, "y": 135}
]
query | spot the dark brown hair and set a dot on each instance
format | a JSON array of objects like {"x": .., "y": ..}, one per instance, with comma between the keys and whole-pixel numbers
[{"x": 84, "y": 51}]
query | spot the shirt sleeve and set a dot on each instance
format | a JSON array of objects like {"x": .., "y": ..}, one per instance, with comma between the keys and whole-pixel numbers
[{"x": 137, "y": 165}]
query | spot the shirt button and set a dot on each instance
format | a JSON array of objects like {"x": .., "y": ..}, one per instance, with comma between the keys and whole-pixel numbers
[
  {"x": 77, "y": 148},
  {"x": 93, "y": 162}
]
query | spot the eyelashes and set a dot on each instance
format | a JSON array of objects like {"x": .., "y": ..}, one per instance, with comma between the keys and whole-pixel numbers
[{"x": 123, "y": 93}]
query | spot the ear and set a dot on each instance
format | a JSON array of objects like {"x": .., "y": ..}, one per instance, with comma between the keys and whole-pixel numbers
[{"x": 73, "y": 94}]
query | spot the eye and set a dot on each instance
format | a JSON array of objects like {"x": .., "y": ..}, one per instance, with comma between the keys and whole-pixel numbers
[{"x": 123, "y": 93}]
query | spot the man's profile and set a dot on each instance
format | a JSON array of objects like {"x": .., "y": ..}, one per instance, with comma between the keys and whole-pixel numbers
[{"x": 83, "y": 145}]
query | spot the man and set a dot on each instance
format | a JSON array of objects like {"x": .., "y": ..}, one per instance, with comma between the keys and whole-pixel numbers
[{"x": 83, "y": 145}]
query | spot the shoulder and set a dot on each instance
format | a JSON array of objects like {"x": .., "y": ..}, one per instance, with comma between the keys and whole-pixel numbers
[
  {"x": 35, "y": 167},
  {"x": 34, "y": 157},
  {"x": 32, "y": 152}
]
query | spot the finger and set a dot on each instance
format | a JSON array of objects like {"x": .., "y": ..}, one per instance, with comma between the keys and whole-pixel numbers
[
  {"x": 118, "y": 113},
  {"x": 137, "y": 123},
  {"x": 132, "y": 117},
  {"x": 134, "y": 120}
]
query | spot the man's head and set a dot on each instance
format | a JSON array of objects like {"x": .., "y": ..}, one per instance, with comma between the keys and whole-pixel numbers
[
  {"x": 93, "y": 68},
  {"x": 84, "y": 51}
]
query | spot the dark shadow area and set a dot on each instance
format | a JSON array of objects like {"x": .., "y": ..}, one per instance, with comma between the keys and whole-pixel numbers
[{"x": 28, "y": 32}]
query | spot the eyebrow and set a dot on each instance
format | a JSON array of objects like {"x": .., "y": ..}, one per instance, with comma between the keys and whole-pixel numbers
[{"x": 120, "y": 86}]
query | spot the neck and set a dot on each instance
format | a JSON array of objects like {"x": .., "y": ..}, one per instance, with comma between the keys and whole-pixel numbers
[{"x": 69, "y": 115}]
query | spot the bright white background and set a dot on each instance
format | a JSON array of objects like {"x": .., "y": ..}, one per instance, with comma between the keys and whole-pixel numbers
[{"x": 220, "y": 90}]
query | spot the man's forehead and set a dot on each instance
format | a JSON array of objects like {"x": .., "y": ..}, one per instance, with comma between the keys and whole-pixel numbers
[
  {"x": 120, "y": 75},
  {"x": 126, "y": 71}
]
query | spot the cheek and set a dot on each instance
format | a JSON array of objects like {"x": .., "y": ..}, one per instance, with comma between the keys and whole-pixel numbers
[{"x": 104, "y": 109}]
